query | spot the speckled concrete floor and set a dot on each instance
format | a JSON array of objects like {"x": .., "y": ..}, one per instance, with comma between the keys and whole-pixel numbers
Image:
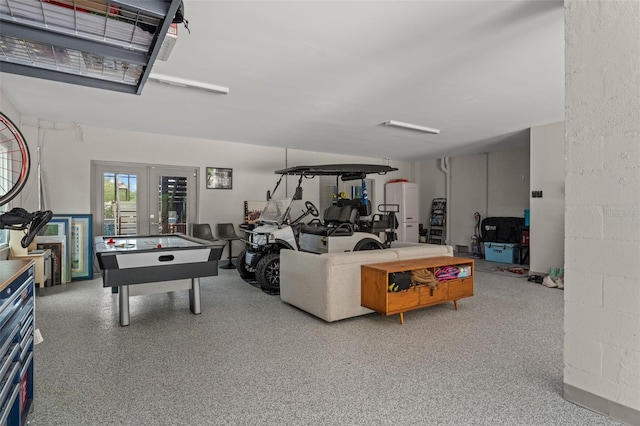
[{"x": 250, "y": 359}]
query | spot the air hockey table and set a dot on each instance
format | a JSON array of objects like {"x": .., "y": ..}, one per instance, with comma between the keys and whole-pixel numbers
[{"x": 132, "y": 259}]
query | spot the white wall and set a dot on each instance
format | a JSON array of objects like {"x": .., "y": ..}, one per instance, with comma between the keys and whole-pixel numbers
[
  {"x": 67, "y": 150},
  {"x": 468, "y": 195},
  {"x": 508, "y": 182},
  {"x": 546, "y": 236},
  {"x": 8, "y": 109},
  {"x": 602, "y": 242},
  {"x": 432, "y": 185},
  {"x": 499, "y": 184},
  {"x": 491, "y": 184}
]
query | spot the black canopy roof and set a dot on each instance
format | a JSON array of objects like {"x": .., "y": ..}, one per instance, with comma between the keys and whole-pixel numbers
[{"x": 345, "y": 171}]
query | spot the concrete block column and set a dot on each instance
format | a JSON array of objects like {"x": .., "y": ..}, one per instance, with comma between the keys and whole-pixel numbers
[{"x": 602, "y": 235}]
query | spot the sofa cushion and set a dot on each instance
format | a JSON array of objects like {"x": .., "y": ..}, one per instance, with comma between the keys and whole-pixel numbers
[
  {"x": 421, "y": 250},
  {"x": 360, "y": 257}
]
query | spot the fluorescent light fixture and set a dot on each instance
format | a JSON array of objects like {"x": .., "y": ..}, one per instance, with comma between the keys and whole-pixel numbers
[
  {"x": 183, "y": 82},
  {"x": 411, "y": 126}
]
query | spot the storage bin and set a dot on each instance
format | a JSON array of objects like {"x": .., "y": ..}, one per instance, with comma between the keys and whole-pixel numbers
[{"x": 501, "y": 252}]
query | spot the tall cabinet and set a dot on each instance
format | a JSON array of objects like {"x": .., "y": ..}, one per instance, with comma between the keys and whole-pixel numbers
[{"x": 405, "y": 195}]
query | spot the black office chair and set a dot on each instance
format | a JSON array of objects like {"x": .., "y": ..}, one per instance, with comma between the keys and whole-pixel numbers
[
  {"x": 203, "y": 231},
  {"x": 227, "y": 232}
]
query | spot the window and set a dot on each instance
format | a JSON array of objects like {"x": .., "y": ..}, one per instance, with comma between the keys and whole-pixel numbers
[{"x": 120, "y": 207}]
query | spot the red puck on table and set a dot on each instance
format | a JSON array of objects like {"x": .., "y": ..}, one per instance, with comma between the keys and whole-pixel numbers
[
  {"x": 159, "y": 245},
  {"x": 111, "y": 241}
]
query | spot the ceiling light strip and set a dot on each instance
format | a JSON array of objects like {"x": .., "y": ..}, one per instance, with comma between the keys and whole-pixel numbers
[
  {"x": 411, "y": 127},
  {"x": 183, "y": 82}
]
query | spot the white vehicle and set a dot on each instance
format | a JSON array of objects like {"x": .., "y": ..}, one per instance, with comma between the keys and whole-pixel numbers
[
  {"x": 339, "y": 230},
  {"x": 272, "y": 233}
]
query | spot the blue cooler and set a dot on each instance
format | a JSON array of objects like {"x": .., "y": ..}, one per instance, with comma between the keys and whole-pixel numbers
[{"x": 502, "y": 252}]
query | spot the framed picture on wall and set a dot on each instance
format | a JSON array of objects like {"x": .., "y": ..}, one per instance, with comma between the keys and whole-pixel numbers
[{"x": 219, "y": 178}]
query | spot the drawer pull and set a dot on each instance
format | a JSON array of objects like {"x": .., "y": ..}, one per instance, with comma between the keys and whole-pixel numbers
[
  {"x": 25, "y": 365},
  {"x": 166, "y": 258},
  {"x": 10, "y": 380},
  {"x": 27, "y": 313},
  {"x": 9, "y": 360},
  {"x": 26, "y": 348},
  {"x": 24, "y": 331},
  {"x": 4, "y": 415},
  {"x": 9, "y": 342}
]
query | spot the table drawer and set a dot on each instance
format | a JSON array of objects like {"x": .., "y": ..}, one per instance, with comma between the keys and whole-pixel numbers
[
  {"x": 429, "y": 296},
  {"x": 403, "y": 300},
  {"x": 460, "y": 288}
]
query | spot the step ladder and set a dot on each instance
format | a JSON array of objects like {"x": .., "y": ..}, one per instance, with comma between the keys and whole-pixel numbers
[{"x": 437, "y": 221}]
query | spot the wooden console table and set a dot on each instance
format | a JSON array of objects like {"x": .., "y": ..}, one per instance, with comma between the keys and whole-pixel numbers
[
  {"x": 375, "y": 292},
  {"x": 42, "y": 259}
]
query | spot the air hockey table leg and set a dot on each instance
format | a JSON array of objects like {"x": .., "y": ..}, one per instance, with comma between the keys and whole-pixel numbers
[
  {"x": 124, "y": 304},
  {"x": 194, "y": 296}
]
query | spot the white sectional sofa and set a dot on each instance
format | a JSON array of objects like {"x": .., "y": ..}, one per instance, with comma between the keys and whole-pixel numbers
[{"x": 328, "y": 285}]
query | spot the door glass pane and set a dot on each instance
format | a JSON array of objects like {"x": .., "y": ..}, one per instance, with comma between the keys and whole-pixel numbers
[
  {"x": 120, "y": 203},
  {"x": 172, "y": 204}
]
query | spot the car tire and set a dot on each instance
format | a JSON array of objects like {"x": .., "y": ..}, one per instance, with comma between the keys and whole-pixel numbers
[
  {"x": 368, "y": 244},
  {"x": 246, "y": 272},
  {"x": 268, "y": 273}
]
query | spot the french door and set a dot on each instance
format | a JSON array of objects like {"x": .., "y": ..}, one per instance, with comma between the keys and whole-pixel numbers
[
  {"x": 173, "y": 204},
  {"x": 143, "y": 199}
]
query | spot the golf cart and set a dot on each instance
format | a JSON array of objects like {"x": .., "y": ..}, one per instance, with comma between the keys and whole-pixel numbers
[{"x": 340, "y": 229}]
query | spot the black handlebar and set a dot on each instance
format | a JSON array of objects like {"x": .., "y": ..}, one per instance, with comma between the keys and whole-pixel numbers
[{"x": 19, "y": 219}]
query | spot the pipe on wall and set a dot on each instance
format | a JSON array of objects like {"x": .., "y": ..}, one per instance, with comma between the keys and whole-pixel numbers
[
  {"x": 486, "y": 204},
  {"x": 444, "y": 166}
]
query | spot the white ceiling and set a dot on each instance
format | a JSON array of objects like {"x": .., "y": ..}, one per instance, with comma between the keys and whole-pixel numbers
[{"x": 324, "y": 75}]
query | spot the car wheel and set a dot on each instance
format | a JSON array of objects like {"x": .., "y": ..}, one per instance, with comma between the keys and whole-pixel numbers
[
  {"x": 268, "y": 273},
  {"x": 368, "y": 244},
  {"x": 246, "y": 272}
]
